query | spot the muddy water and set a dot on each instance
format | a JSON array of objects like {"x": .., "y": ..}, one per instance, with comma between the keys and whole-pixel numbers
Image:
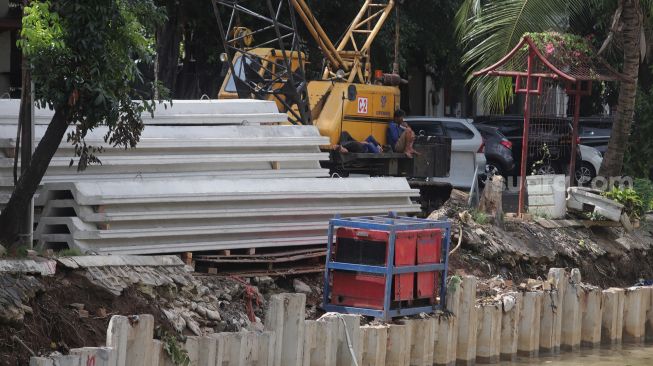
[{"x": 627, "y": 356}]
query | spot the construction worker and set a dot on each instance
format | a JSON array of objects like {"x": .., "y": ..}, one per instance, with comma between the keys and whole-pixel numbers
[{"x": 400, "y": 136}]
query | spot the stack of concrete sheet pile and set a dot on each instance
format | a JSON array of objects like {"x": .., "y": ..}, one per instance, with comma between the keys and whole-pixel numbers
[
  {"x": 212, "y": 139},
  {"x": 205, "y": 175},
  {"x": 160, "y": 216},
  {"x": 179, "y": 112}
]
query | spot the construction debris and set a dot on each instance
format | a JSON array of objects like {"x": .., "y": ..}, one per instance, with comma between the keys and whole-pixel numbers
[
  {"x": 15, "y": 294},
  {"x": 587, "y": 200}
]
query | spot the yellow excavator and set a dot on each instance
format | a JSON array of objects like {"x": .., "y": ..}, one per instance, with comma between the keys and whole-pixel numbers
[{"x": 265, "y": 58}]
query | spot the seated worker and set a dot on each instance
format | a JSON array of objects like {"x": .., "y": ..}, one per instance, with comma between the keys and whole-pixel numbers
[
  {"x": 400, "y": 136},
  {"x": 349, "y": 144}
]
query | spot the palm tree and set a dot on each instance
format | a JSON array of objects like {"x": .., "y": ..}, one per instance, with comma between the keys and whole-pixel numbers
[{"x": 489, "y": 29}]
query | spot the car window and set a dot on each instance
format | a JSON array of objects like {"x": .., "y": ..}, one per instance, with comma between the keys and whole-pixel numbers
[
  {"x": 594, "y": 131},
  {"x": 427, "y": 128},
  {"x": 484, "y": 133},
  {"x": 510, "y": 128},
  {"x": 458, "y": 131}
]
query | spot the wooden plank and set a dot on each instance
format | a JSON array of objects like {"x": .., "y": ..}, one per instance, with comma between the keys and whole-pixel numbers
[
  {"x": 266, "y": 254},
  {"x": 269, "y": 272},
  {"x": 262, "y": 259}
]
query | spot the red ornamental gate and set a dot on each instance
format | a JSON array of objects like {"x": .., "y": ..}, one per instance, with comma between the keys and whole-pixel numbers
[{"x": 553, "y": 71}]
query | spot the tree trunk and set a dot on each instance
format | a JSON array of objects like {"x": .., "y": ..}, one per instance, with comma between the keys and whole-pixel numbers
[
  {"x": 14, "y": 213},
  {"x": 614, "y": 158},
  {"x": 492, "y": 198},
  {"x": 168, "y": 38}
]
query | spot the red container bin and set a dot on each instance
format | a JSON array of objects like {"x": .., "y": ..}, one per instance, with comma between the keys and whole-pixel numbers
[
  {"x": 370, "y": 247},
  {"x": 429, "y": 251}
]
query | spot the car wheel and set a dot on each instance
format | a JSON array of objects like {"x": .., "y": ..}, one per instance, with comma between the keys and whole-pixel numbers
[
  {"x": 585, "y": 173},
  {"x": 546, "y": 169}
]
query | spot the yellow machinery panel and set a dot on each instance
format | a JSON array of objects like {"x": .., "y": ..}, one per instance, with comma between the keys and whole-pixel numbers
[{"x": 366, "y": 110}]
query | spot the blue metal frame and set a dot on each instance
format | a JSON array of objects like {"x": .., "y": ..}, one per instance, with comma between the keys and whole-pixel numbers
[{"x": 392, "y": 224}]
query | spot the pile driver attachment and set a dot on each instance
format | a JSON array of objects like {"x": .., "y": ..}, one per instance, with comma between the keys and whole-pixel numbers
[{"x": 264, "y": 54}]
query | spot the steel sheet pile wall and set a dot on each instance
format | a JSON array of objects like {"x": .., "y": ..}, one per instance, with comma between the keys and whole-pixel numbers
[{"x": 163, "y": 216}]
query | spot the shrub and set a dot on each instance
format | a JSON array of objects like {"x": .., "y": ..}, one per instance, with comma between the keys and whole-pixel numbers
[{"x": 632, "y": 201}]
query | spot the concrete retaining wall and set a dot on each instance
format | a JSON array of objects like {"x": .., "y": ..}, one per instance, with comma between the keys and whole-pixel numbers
[{"x": 468, "y": 333}]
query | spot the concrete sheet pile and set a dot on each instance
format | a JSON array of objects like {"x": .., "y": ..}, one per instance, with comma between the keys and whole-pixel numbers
[
  {"x": 179, "y": 112},
  {"x": 163, "y": 216},
  {"x": 185, "y": 151}
]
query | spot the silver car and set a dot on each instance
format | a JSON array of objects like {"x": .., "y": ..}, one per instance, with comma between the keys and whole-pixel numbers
[{"x": 467, "y": 147}]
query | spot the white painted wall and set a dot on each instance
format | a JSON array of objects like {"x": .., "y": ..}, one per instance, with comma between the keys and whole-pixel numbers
[
  {"x": 434, "y": 103},
  {"x": 479, "y": 108}
]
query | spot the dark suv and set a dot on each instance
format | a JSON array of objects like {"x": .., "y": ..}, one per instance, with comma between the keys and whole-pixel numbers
[
  {"x": 498, "y": 151},
  {"x": 595, "y": 132},
  {"x": 549, "y": 147}
]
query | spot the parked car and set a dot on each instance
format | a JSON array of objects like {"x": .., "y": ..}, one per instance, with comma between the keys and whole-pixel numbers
[
  {"x": 467, "y": 147},
  {"x": 595, "y": 132},
  {"x": 549, "y": 141},
  {"x": 590, "y": 163},
  {"x": 498, "y": 152}
]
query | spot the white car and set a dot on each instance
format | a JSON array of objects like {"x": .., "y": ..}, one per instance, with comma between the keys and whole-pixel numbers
[
  {"x": 589, "y": 165},
  {"x": 467, "y": 147}
]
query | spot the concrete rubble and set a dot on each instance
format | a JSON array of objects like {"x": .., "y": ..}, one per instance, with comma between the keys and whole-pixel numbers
[{"x": 16, "y": 291}]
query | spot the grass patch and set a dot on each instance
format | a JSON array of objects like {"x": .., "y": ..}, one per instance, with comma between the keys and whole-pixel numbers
[
  {"x": 73, "y": 252},
  {"x": 480, "y": 217}
]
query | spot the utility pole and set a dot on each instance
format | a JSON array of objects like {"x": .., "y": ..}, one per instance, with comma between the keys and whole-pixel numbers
[
  {"x": 26, "y": 229},
  {"x": 26, "y": 150}
]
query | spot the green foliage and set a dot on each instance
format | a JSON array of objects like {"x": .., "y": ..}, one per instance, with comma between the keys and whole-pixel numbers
[
  {"x": 639, "y": 155},
  {"x": 593, "y": 216},
  {"x": 544, "y": 159},
  {"x": 72, "y": 252},
  {"x": 632, "y": 201},
  {"x": 488, "y": 30},
  {"x": 20, "y": 251},
  {"x": 84, "y": 59},
  {"x": 480, "y": 217},
  {"x": 644, "y": 188},
  {"x": 173, "y": 348},
  {"x": 562, "y": 48},
  {"x": 41, "y": 30}
]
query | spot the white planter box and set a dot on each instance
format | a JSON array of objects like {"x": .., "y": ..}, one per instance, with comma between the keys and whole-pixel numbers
[{"x": 546, "y": 195}]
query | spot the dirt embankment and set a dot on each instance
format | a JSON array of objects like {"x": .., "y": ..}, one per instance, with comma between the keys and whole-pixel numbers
[
  {"x": 54, "y": 314},
  {"x": 518, "y": 250},
  {"x": 52, "y": 324}
]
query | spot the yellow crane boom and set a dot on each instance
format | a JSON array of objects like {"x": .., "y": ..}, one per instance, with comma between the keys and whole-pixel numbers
[{"x": 352, "y": 55}]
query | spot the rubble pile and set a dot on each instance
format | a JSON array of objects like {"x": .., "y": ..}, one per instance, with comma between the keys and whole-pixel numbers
[
  {"x": 16, "y": 291},
  {"x": 522, "y": 248},
  {"x": 193, "y": 305}
]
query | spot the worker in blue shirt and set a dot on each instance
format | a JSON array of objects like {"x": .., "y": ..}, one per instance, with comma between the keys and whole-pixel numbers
[{"x": 400, "y": 136}]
